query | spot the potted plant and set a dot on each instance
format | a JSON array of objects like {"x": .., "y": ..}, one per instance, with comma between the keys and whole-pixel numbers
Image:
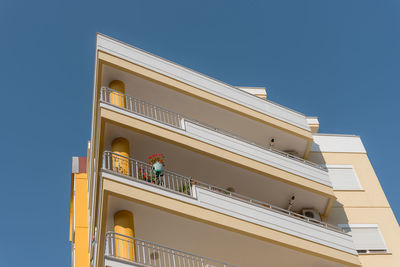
[
  {"x": 184, "y": 188},
  {"x": 149, "y": 176},
  {"x": 157, "y": 163}
]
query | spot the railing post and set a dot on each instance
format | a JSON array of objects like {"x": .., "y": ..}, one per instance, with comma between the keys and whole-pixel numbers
[
  {"x": 137, "y": 170},
  {"x": 112, "y": 240},
  {"x": 190, "y": 186},
  {"x": 109, "y": 161},
  {"x": 181, "y": 121},
  {"x": 131, "y": 171},
  {"x": 144, "y": 253},
  {"x": 107, "y": 245},
  {"x": 173, "y": 259}
]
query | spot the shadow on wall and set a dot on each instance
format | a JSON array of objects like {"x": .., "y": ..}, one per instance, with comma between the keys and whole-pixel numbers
[
  {"x": 316, "y": 156},
  {"x": 337, "y": 214}
]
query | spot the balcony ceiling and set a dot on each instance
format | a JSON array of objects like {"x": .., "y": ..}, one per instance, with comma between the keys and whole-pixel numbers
[
  {"x": 215, "y": 172},
  {"x": 252, "y": 130},
  {"x": 181, "y": 233}
]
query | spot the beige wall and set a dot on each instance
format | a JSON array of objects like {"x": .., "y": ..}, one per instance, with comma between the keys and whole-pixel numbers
[{"x": 366, "y": 206}]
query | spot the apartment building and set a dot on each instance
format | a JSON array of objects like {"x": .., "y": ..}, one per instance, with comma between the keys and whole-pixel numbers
[{"x": 185, "y": 170}]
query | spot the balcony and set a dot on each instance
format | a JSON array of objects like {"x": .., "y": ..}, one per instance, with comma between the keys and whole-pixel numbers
[
  {"x": 122, "y": 249},
  {"x": 217, "y": 137},
  {"x": 113, "y": 52},
  {"x": 195, "y": 192}
]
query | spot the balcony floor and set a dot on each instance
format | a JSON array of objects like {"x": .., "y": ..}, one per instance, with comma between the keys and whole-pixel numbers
[
  {"x": 216, "y": 172},
  {"x": 210, "y": 241}
]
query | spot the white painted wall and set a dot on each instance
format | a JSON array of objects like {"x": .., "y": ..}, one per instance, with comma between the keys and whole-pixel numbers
[
  {"x": 366, "y": 236},
  {"x": 343, "y": 177}
]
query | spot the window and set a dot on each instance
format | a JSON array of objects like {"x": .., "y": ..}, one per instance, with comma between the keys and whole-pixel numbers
[
  {"x": 367, "y": 238},
  {"x": 343, "y": 177}
]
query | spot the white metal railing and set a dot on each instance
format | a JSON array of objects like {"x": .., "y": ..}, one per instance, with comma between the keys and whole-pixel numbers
[
  {"x": 145, "y": 253},
  {"x": 143, "y": 172},
  {"x": 171, "y": 118},
  {"x": 273, "y": 150},
  {"x": 141, "y": 107}
]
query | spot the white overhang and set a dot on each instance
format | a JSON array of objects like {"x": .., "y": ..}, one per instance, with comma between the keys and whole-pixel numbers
[
  {"x": 253, "y": 90},
  {"x": 198, "y": 80},
  {"x": 251, "y": 213},
  {"x": 312, "y": 120},
  {"x": 312, "y": 172},
  {"x": 337, "y": 143}
]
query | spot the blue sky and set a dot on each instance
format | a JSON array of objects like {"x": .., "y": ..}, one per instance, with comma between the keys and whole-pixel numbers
[{"x": 338, "y": 60}]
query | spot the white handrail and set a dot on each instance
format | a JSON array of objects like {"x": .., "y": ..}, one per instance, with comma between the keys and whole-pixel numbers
[
  {"x": 152, "y": 254},
  {"x": 181, "y": 184},
  {"x": 174, "y": 119}
]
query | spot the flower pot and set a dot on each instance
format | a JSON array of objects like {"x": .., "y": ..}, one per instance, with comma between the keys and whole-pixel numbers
[{"x": 157, "y": 168}]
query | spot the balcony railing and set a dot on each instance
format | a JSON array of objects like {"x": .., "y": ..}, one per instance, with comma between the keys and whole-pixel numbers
[
  {"x": 145, "y": 253},
  {"x": 176, "y": 120},
  {"x": 143, "y": 172},
  {"x": 141, "y": 107}
]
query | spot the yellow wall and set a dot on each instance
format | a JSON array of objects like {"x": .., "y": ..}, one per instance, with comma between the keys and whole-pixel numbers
[
  {"x": 124, "y": 225},
  {"x": 366, "y": 206},
  {"x": 120, "y": 146},
  {"x": 117, "y": 98},
  {"x": 80, "y": 211}
]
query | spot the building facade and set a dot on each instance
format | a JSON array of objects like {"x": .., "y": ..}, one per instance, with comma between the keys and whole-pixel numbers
[{"x": 185, "y": 170}]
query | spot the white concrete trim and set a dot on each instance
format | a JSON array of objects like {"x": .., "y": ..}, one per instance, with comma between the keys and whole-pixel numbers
[
  {"x": 142, "y": 118},
  {"x": 251, "y": 213},
  {"x": 358, "y": 225},
  {"x": 239, "y": 147},
  {"x": 337, "y": 143},
  {"x": 257, "y": 153},
  {"x": 253, "y": 90},
  {"x": 175, "y": 71},
  {"x": 341, "y": 166},
  {"x": 312, "y": 120},
  {"x": 276, "y": 221},
  {"x": 110, "y": 261},
  {"x": 75, "y": 164}
]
